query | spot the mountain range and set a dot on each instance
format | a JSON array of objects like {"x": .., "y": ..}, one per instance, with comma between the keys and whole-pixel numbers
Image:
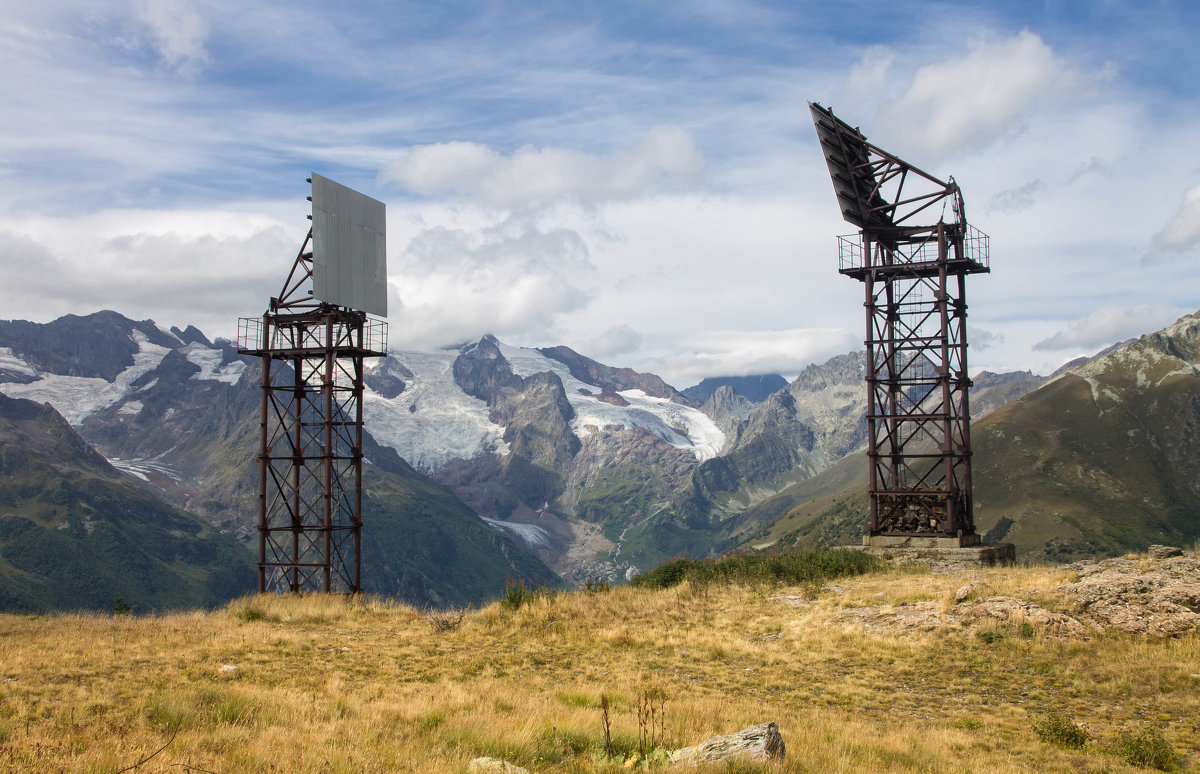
[
  {"x": 1099, "y": 460},
  {"x": 176, "y": 416},
  {"x": 489, "y": 463}
]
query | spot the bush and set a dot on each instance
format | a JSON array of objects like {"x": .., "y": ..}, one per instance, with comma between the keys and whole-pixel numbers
[
  {"x": 518, "y": 594},
  {"x": 1054, "y": 729},
  {"x": 1148, "y": 749},
  {"x": 786, "y": 567}
]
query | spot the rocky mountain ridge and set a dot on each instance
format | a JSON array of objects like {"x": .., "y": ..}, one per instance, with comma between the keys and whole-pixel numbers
[
  {"x": 1096, "y": 461},
  {"x": 598, "y": 471},
  {"x": 181, "y": 418}
]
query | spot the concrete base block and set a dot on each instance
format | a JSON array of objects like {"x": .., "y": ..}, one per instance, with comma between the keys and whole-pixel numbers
[
  {"x": 919, "y": 541},
  {"x": 946, "y": 557}
]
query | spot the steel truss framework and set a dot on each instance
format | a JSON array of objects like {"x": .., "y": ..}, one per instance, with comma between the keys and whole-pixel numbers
[
  {"x": 310, "y": 453},
  {"x": 914, "y": 276}
]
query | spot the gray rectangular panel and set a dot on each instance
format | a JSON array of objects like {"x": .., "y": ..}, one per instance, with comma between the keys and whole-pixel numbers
[{"x": 349, "y": 241}]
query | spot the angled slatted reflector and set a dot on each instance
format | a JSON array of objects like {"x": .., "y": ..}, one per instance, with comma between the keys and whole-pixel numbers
[{"x": 848, "y": 158}]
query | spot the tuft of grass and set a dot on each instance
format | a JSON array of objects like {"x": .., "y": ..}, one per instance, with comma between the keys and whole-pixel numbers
[
  {"x": 989, "y": 636},
  {"x": 785, "y": 567},
  {"x": 1148, "y": 749},
  {"x": 1057, "y": 730},
  {"x": 519, "y": 594}
]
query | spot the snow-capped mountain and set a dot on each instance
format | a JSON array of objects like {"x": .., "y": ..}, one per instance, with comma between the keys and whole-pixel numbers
[
  {"x": 180, "y": 414},
  {"x": 599, "y": 471},
  {"x": 433, "y": 421}
]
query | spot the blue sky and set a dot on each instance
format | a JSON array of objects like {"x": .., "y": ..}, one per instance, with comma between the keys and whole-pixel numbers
[{"x": 639, "y": 181}]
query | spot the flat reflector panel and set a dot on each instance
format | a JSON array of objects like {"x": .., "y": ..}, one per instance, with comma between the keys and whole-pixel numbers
[
  {"x": 349, "y": 240},
  {"x": 849, "y": 161}
]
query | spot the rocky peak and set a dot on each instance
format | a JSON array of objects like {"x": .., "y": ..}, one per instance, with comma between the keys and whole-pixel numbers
[
  {"x": 191, "y": 335},
  {"x": 97, "y": 345},
  {"x": 389, "y": 378},
  {"x": 482, "y": 371},
  {"x": 613, "y": 379},
  {"x": 754, "y": 388},
  {"x": 727, "y": 408}
]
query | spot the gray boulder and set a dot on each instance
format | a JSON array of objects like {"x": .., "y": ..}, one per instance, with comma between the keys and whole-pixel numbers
[{"x": 757, "y": 743}]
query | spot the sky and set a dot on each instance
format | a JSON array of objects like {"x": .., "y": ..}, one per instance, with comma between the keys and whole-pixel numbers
[{"x": 639, "y": 181}]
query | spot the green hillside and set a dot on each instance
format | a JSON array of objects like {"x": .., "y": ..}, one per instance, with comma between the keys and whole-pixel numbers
[
  {"x": 425, "y": 546},
  {"x": 1100, "y": 461},
  {"x": 75, "y": 533}
]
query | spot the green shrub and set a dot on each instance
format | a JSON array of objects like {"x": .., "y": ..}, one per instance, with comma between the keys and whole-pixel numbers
[
  {"x": 785, "y": 567},
  {"x": 1148, "y": 749},
  {"x": 518, "y": 594},
  {"x": 1054, "y": 729}
]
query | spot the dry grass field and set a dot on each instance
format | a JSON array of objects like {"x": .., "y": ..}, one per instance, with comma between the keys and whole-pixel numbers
[{"x": 318, "y": 684}]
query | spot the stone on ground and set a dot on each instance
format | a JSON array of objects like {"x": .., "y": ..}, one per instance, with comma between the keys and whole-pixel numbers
[{"x": 756, "y": 743}]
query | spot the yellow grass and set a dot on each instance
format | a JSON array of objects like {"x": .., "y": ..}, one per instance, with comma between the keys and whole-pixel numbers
[{"x": 319, "y": 684}]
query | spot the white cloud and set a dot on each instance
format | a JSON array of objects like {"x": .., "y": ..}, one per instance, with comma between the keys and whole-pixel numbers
[
  {"x": 666, "y": 159},
  {"x": 981, "y": 338},
  {"x": 509, "y": 278},
  {"x": 1182, "y": 231},
  {"x": 178, "y": 31},
  {"x": 205, "y": 268},
  {"x": 869, "y": 81},
  {"x": 1017, "y": 199},
  {"x": 971, "y": 101},
  {"x": 1109, "y": 325},
  {"x": 696, "y": 355},
  {"x": 620, "y": 340}
]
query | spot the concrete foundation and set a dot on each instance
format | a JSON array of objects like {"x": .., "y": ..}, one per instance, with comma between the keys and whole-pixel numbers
[
  {"x": 917, "y": 541},
  {"x": 944, "y": 553}
]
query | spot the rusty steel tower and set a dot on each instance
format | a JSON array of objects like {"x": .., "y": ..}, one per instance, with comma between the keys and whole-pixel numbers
[
  {"x": 913, "y": 254},
  {"x": 313, "y": 344}
]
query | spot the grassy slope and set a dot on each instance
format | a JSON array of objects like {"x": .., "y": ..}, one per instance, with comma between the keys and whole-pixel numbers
[{"x": 319, "y": 684}]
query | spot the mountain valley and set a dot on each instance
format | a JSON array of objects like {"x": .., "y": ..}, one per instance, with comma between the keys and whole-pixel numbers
[{"x": 489, "y": 462}]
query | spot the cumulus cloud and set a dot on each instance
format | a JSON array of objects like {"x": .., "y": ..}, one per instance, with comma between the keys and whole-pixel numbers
[
  {"x": 508, "y": 278},
  {"x": 666, "y": 159},
  {"x": 701, "y": 354},
  {"x": 1108, "y": 325},
  {"x": 178, "y": 32},
  {"x": 620, "y": 340},
  {"x": 1182, "y": 231},
  {"x": 981, "y": 338},
  {"x": 869, "y": 80},
  {"x": 973, "y": 100},
  {"x": 146, "y": 264}
]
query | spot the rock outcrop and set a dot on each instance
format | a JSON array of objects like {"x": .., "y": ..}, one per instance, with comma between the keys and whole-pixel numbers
[
  {"x": 759, "y": 744},
  {"x": 1019, "y": 611},
  {"x": 1154, "y": 597},
  {"x": 494, "y": 766}
]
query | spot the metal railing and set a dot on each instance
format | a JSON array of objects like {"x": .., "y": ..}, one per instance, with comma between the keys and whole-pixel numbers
[
  {"x": 976, "y": 248},
  {"x": 251, "y": 337}
]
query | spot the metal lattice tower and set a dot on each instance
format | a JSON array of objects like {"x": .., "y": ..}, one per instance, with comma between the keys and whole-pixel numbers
[
  {"x": 311, "y": 436},
  {"x": 914, "y": 276}
]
